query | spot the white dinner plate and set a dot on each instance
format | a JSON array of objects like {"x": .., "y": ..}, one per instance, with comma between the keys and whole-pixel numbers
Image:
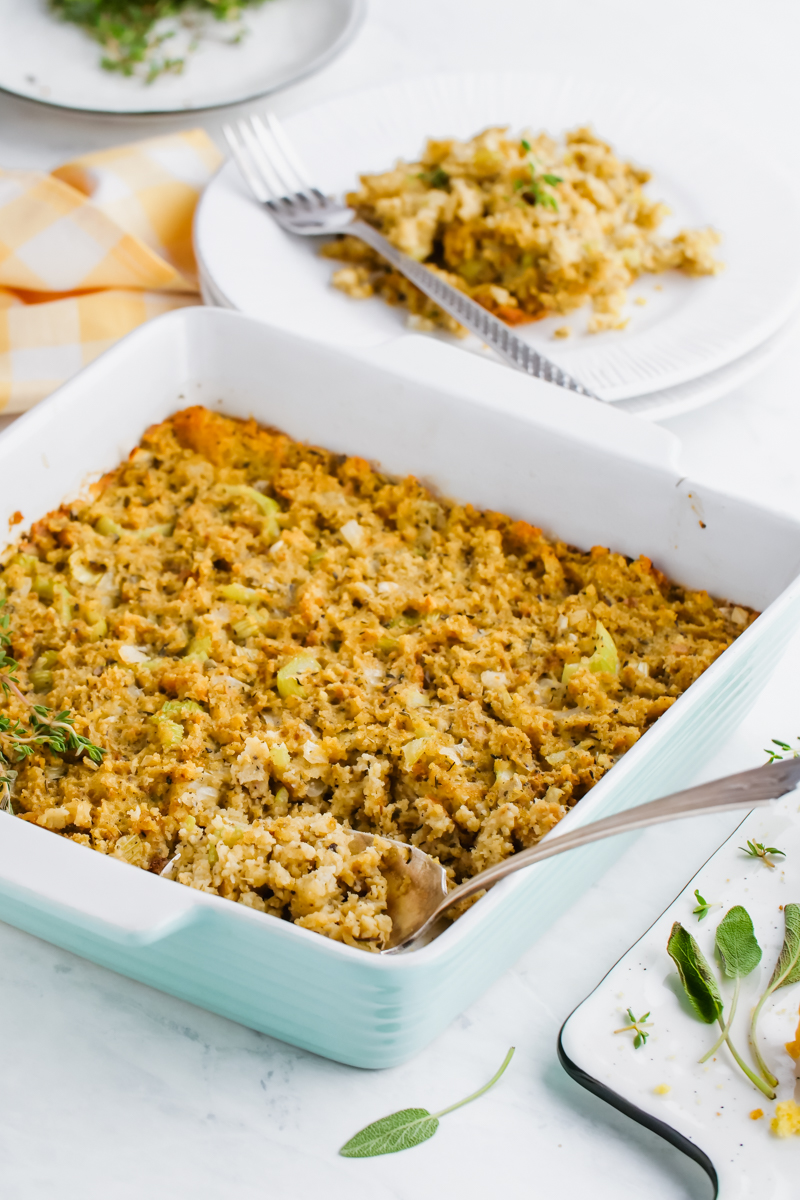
[
  {"x": 46, "y": 59},
  {"x": 686, "y": 329},
  {"x": 657, "y": 406}
]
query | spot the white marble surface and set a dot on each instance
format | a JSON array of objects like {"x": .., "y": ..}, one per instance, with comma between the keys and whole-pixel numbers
[{"x": 110, "y": 1089}]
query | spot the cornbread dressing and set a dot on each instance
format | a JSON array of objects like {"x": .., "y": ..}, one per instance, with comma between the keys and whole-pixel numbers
[
  {"x": 528, "y": 227},
  {"x": 277, "y": 645}
]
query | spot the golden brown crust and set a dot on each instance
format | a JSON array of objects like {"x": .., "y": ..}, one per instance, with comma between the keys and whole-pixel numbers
[{"x": 161, "y": 610}]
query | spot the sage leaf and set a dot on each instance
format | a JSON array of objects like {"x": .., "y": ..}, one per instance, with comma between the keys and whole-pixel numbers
[
  {"x": 698, "y": 982},
  {"x": 787, "y": 968},
  {"x": 409, "y": 1127},
  {"x": 787, "y": 971},
  {"x": 400, "y": 1131},
  {"x": 737, "y": 947}
]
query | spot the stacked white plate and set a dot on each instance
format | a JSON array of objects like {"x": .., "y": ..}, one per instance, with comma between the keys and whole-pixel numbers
[{"x": 691, "y": 341}]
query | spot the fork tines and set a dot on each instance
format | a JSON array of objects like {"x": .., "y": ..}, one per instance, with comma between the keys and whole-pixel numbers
[{"x": 268, "y": 162}]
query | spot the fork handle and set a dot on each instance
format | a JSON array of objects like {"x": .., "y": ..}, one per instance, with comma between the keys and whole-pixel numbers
[{"x": 469, "y": 313}]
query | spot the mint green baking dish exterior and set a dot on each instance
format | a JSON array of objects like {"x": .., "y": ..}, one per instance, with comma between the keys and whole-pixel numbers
[{"x": 481, "y": 433}]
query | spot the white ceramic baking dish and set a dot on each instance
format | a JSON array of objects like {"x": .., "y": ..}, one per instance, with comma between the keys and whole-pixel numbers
[{"x": 480, "y": 433}]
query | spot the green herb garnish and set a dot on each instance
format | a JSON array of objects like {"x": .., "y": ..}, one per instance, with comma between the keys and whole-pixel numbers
[
  {"x": 437, "y": 178},
  {"x": 759, "y": 850},
  {"x": 739, "y": 953},
  {"x": 407, "y": 1128},
  {"x": 53, "y": 731},
  {"x": 787, "y": 971},
  {"x": 636, "y": 1026},
  {"x": 532, "y": 191},
  {"x": 128, "y": 31},
  {"x": 785, "y": 750},
  {"x": 703, "y": 906}
]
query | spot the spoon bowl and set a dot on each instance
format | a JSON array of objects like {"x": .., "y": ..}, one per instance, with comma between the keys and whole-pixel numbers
[{"x": 418, "y": 893}]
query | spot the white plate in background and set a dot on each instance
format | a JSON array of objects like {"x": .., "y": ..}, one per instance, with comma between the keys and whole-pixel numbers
[
  {"x": 44, "y": 58},
  {"x": 688, "y": 327}
]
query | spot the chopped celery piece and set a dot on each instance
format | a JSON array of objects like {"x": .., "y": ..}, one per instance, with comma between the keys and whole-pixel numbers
[
  {"x": 604, "y": 659},
  {"x": 290, "y": 672},
  {"x": 43, "y": 587},
  {"x": 280, "y": 756},
  {"x": 63, "y": 603},
  {"x": 199, "y": 649},
  {"x": 108, "y": 528},
  {"x": 238, "y": 593},
  {"x": 176, "y": 707},
  {"x": 169, "y": 733},
  {"x": 213, "y": 857},
  {"x": 403, "y": 622},
  {"x": 231, "y": 836},
  {"x": 29, "y": 562},
  {"x": 152, "y": 531},
  {"x": 280, "y": 805},
  {"x": 265, "y": 505},
  {"x": 317, "y": 557},
  {"x": 47, "y": 659},
  {"x": 97, "y": 630},
  {"x": 247, "y": 627},
  {"x": 386, "y": 644},
  {"x": 131, "y": 849},
  {"x": 41, "y": 679}
]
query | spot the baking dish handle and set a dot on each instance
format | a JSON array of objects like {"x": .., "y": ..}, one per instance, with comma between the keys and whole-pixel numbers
[{"x": 490, "y": 383}]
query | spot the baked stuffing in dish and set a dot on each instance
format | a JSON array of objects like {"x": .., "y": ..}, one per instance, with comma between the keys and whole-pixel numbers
[
  {"x": 527, "y": 228},
  {"x": 276, "y": 645}
]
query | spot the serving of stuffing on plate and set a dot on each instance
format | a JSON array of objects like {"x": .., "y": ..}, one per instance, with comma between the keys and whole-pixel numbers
[
  {"x": 276, "y": 645},
  {"x": 528, "y": 227}
]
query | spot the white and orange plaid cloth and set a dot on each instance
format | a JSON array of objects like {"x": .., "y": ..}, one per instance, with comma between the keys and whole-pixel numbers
[{"x": 92, "y": 250}]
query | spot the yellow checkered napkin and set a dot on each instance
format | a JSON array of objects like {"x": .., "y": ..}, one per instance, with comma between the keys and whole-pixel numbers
[{"x": 90, "y": 252}]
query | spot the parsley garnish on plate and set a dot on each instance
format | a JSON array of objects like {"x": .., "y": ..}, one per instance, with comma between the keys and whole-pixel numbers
[{"x": 129, "y": 33}]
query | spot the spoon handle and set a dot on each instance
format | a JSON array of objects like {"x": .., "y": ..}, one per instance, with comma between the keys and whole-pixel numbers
[{"x": 745, "y": 790}]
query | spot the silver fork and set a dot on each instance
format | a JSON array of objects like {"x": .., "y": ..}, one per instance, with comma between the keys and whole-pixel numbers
[{"x": 275, "y": 176}]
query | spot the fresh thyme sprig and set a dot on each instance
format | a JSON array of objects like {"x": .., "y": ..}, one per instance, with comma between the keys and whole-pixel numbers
[
  {"x": 636, "y": 1026},
  {"x": 128, "y": 30},
  {"x": 784, "y": 748},
  {"x": 47, "y": 730},
  {"x": 759, "y": 850}
]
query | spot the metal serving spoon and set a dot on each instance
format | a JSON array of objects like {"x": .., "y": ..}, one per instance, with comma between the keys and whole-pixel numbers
[{"x": 418, "y": 895}]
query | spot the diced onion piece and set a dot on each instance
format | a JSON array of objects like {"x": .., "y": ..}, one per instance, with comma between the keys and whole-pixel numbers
[
  {"x": 290, "y": 673},
  {"x": 494, "y": 679},
  {"x": 414, "y": 750},
  {"x": 133, "y": 655},
  {"x": 81, "y": 573},
  {"x": 354, "y": 534},
  {"x": 414, "y": 698}
]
